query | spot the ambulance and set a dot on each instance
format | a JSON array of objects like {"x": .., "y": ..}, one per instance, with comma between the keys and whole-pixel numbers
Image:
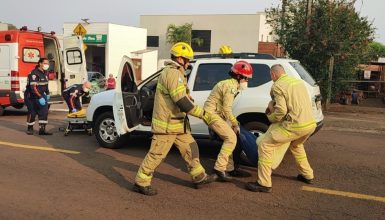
[{"x": 20, "y": 51}]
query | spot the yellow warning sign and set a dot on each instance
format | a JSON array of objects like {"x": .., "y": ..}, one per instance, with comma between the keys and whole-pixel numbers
[{"x": 80, "y": 30}]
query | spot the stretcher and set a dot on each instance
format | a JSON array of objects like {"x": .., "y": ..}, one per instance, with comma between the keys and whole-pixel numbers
[{"x": 77, "y": 121}]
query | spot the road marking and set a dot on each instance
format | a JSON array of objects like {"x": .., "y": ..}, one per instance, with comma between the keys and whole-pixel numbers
[
  {"x": 38, "y": 148},
  {"x": 345, "y": 194}
]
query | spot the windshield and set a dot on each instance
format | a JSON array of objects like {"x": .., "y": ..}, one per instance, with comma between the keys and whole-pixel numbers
[{"x": 305, "y": 75}]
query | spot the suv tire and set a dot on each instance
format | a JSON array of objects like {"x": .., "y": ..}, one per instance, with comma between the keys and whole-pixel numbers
[{"x": 105, "y": 131}]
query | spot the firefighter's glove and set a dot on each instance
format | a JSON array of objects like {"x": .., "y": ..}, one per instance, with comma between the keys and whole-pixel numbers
[
  {"x": 42, "y": 101},
  {"x": 236, "y": 129}
]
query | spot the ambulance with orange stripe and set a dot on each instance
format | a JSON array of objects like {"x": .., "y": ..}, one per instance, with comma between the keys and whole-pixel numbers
[{"x": 20, "y": 51}]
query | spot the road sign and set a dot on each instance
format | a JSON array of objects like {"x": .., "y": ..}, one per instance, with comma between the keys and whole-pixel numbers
[{"x": 80, "y": 30}]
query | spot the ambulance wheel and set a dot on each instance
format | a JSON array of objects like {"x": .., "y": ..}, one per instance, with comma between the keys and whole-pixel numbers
[
  {"x": 1, "y": 110},
  {"x": 105, "y": 131}
]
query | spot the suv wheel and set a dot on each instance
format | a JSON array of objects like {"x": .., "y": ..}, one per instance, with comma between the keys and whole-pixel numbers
[
  {"x": 256, "y": 128},
  {"x": 105, "y": 131}
]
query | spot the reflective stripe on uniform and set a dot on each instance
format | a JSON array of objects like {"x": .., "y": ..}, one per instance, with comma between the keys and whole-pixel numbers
[
  {"x": 197, "y": 170},
  {"x": 300, "y": 158},
  {"x": 283, "y": 131},
  {"x": 198, "y": 111},
  {"x": 303, "y": 126},
  {"x": 265, "y": 162},
  {"x": 227, "y": 150},
  {"x": 143, "y": 176},
  {"x": 161, "y": 88},
  {"x": 178, "y": 90},
  {"x": 165, "y": 125}
]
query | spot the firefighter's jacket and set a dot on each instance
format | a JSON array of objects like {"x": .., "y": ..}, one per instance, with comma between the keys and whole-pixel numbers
[
  {"x": 37, "y": 84},
  {"x": 220, "y": 101},
  {"x": 172, "y": 102},
  {"x": 292, "y": 109}
]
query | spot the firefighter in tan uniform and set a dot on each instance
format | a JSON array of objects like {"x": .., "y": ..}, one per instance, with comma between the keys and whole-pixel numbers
[
  {"x": 170, "y": 124},
  {"x": 292, "y": 122},
  {"x": 219, "y": 104}
]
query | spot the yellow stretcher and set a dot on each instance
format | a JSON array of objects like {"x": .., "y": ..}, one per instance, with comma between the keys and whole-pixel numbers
[{"x": 77, "y": 121}]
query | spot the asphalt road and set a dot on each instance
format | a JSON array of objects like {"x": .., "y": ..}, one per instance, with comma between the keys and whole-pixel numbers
[{"x": 80, "y": 180}]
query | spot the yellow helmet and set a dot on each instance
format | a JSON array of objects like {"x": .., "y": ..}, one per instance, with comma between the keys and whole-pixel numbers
[
  {"x": 225, "y": 50},
  {"x": 181, "y": 49}
]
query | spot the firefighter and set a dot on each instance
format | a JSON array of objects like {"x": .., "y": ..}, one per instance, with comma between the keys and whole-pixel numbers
[
  {"x": 292, "y": 122},
  {"x": 73, "y": 93},
  {"x": 219, "y": 104},
  {"x": 36, "y": 97},
  {"x": 170, "y": 124}
]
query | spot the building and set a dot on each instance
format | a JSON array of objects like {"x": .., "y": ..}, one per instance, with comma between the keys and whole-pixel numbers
[
  {"x": 242, "y": 32},
  {"x": 107, "y": 43}
]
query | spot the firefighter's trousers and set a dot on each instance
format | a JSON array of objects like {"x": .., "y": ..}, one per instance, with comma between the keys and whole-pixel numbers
[
  {"x": 223, "y": 130},
  {"x": 160, "y": 146},
  {"x": 275, "y": 136}
]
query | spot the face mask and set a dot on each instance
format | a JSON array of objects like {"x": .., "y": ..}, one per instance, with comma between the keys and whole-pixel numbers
[
  {"x": 243, "y": 85},
  {"x": 86, "y": 89},
  {"x": 45, "y": 67}
]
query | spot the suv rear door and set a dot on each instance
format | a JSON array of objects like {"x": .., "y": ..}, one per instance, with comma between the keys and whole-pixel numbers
[{"x": 126, "y": 105}]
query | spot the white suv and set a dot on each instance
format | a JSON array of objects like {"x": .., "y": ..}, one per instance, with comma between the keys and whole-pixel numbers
[{"x": 129, "y": 107}]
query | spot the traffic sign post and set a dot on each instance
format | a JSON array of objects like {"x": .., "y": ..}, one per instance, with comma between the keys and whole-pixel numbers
[{"x": 80, "y": 30}]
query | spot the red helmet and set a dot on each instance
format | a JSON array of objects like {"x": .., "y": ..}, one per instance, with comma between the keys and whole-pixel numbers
[{"x": 242, "y": 68}]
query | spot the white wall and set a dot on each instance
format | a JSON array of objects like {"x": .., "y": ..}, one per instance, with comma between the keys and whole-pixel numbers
[
  {"x": 240, "y": 31},
  {"x": 122, "y": 40}
]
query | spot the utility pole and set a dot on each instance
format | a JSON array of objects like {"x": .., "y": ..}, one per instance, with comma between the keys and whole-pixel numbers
[{"x": 330, "y": 81}]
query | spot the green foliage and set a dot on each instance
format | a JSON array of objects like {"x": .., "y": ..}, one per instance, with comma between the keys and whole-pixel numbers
[
  {"x": 376, "y": 50},
  {"x": 332, "y": 29},
  {"x": 182, "y": 33}
]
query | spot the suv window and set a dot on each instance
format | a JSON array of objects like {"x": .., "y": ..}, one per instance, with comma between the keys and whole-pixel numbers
[
  {"x": 261, "y": 75},
  {"x": 209, "y": 74},
  {"x": 304, "y": 74}
]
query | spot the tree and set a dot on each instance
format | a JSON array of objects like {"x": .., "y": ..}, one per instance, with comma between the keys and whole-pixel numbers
[
  {"x": 329, "y": 38},
  {"x": 182, "y": 33},
  {"x": 376, "y": 50}
]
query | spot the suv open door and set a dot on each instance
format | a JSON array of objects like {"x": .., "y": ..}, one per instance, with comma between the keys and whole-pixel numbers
[
  {"x": 75, "y": 71},
  {"x": 127, "y": 105}
]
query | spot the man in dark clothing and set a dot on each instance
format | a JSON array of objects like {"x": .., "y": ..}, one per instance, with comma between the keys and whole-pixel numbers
[
  {"x": 73, "y": 93},
  {"x": 36, "y": 97}
]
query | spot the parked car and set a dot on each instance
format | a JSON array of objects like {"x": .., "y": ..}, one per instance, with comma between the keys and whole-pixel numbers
[{"x": 129, "y": 107}]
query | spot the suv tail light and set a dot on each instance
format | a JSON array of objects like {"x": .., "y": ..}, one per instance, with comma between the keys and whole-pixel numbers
[{"x": 15, "y": 83}]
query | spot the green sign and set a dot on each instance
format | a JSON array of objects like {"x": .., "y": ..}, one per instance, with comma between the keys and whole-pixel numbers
[{"x": 95, "y": 38}]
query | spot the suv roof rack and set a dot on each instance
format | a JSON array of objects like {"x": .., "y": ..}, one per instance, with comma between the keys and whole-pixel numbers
[{"x": 260, "y": 56}]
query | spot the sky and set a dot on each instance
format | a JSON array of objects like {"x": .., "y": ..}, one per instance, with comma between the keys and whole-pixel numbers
[{"x": 50, "y": 15}]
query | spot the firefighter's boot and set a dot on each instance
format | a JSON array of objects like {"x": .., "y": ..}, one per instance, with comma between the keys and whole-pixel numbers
[
  {"x": 145, "y": 190},
  {"x": 222, "y": 176},
  {"x": 208, "y": 179},
  {"x": 42, "y": 130},
  {"x": 301, "y": 178},
  {"x": 256, "y": 187},
  {"x": 30, "y": 130}
]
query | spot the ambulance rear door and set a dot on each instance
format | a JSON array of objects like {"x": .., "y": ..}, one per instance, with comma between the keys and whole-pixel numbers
[{"x": 75, "y": 71}]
